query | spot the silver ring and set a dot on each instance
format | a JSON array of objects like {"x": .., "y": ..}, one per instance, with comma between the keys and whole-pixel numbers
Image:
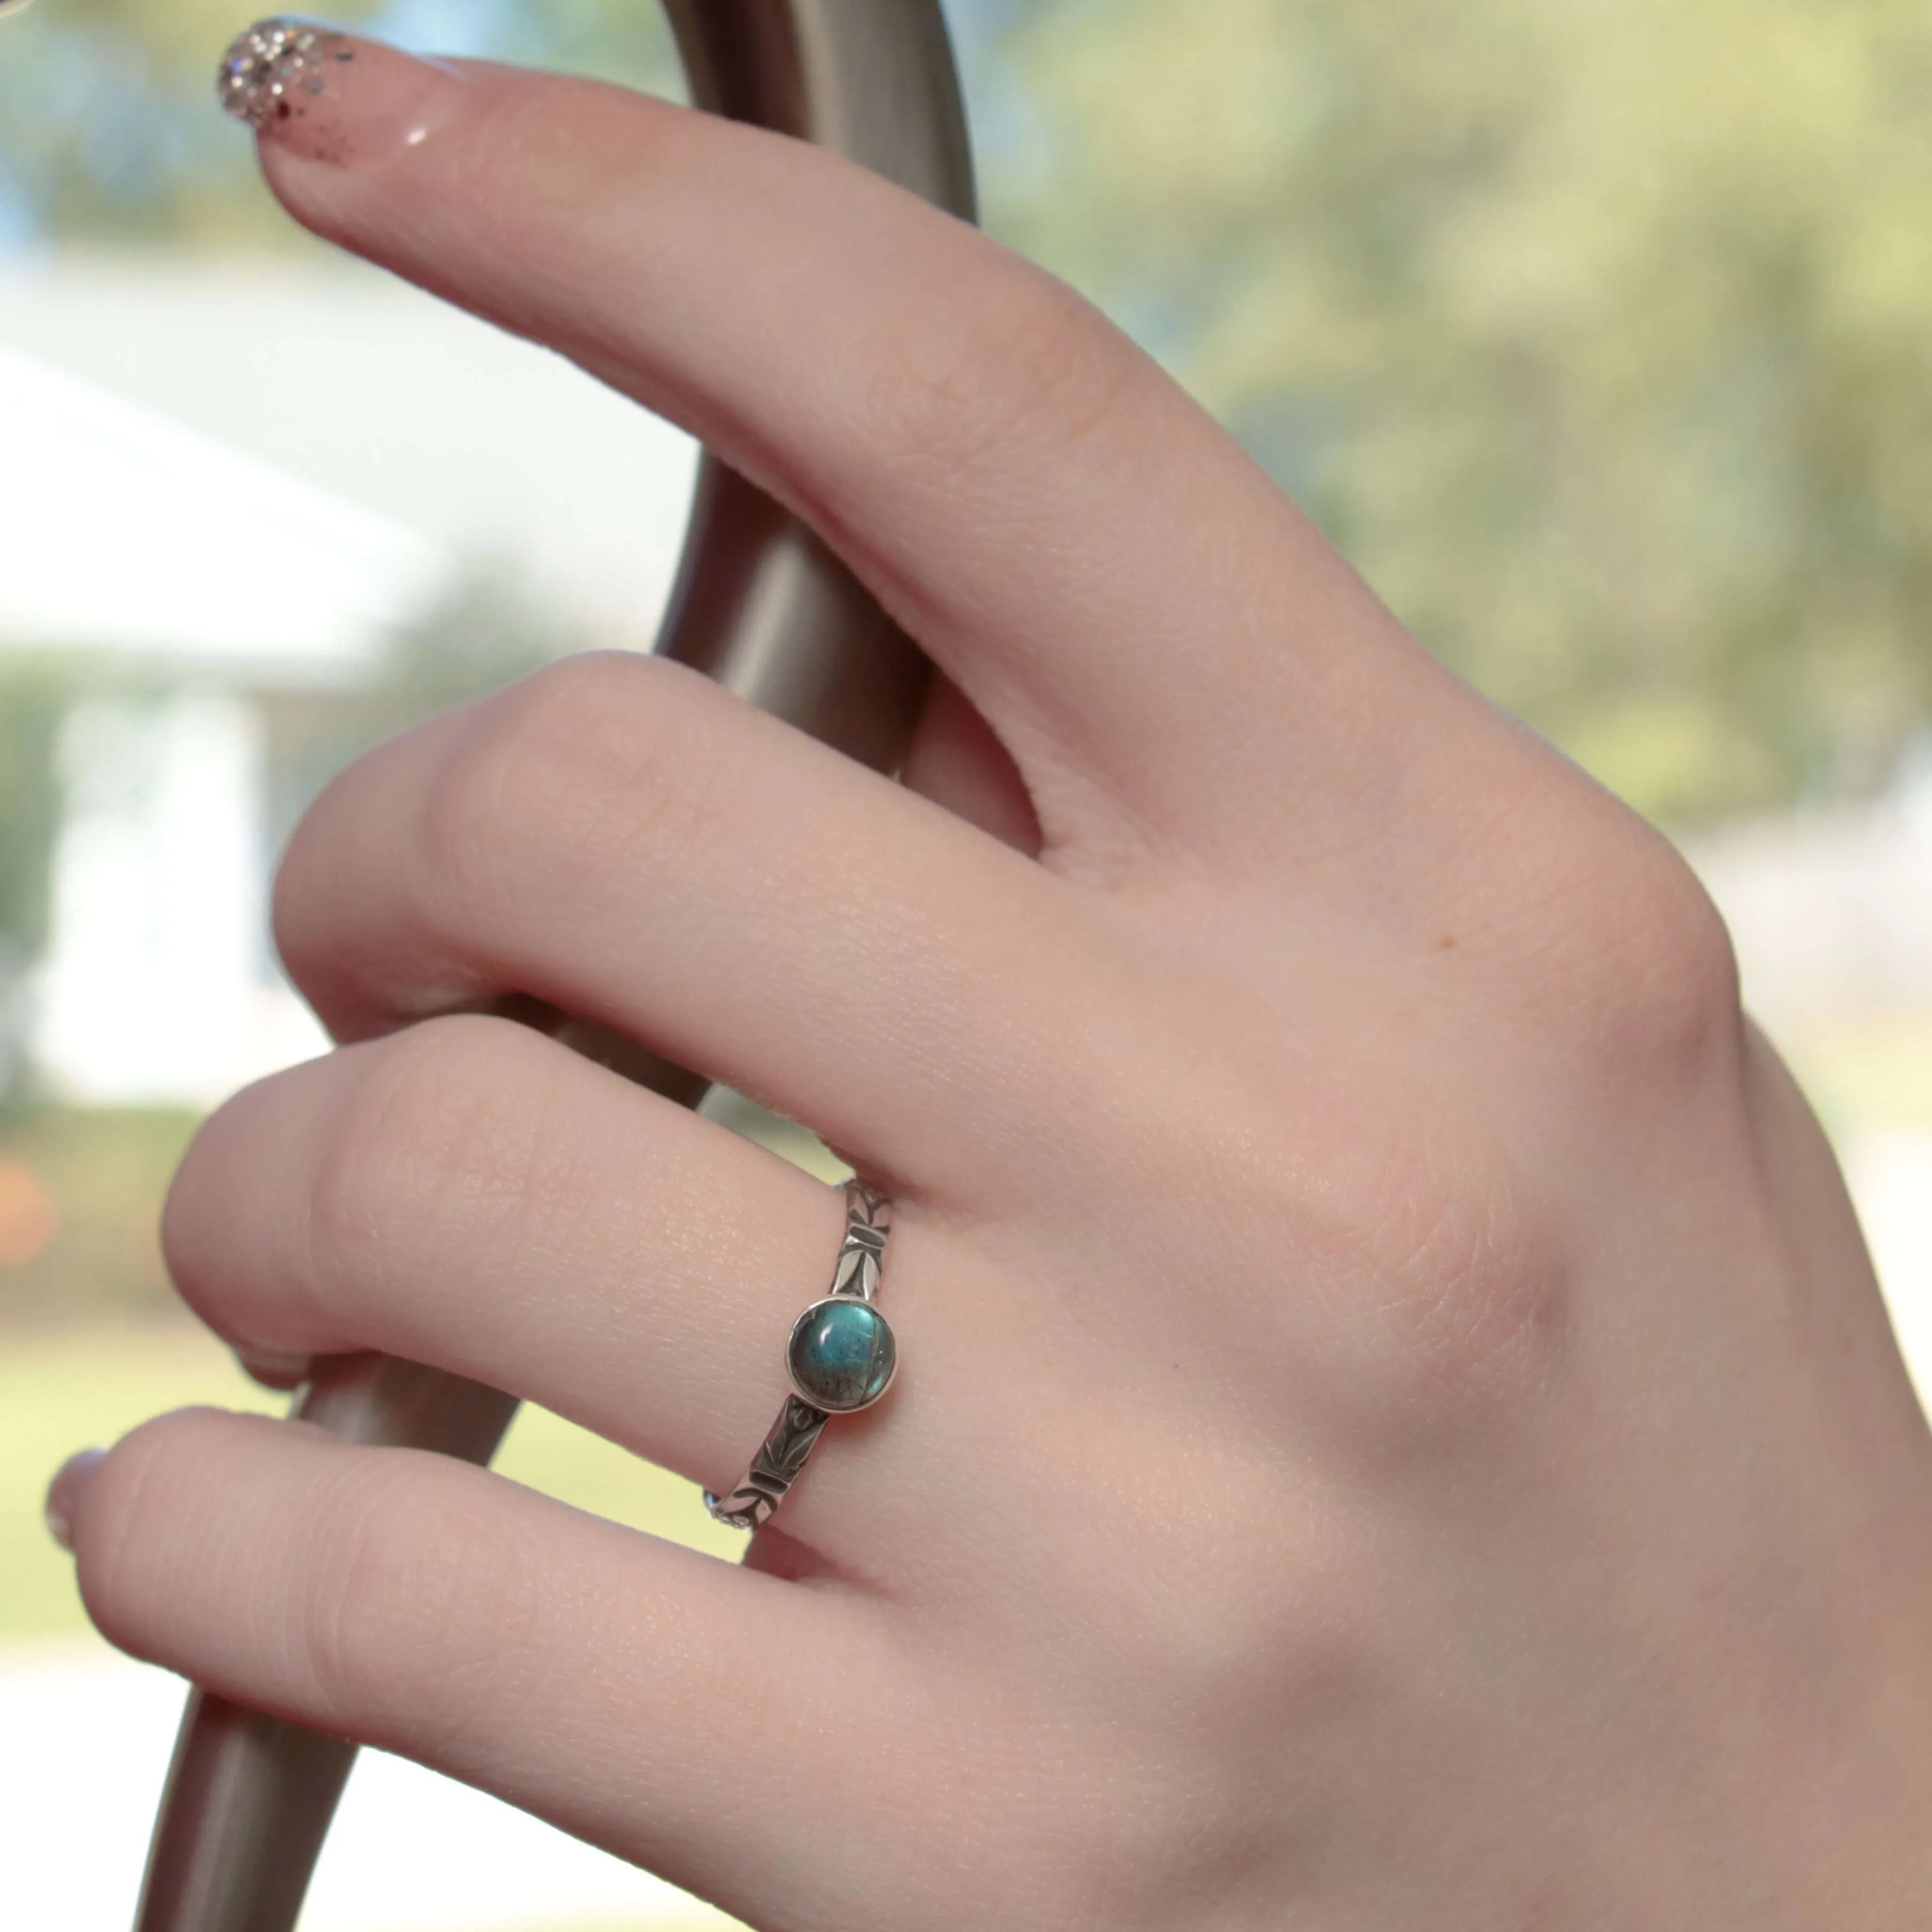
[{"x": 841, "y": 1357}]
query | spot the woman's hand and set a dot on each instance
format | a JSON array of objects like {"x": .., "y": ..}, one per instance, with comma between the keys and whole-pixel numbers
[{"x": 1397, "y": 1428}]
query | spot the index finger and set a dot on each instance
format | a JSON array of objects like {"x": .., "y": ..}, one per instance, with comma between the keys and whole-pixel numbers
[{"x": 1163, "y": 642}]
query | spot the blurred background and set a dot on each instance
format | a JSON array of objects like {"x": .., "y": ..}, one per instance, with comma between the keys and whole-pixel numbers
[{"x": 1599, "y": 337}]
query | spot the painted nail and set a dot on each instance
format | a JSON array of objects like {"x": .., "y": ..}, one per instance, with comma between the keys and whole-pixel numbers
[
  {"x": 274, "y": 1368},
  {"x": 328, "y": 96},
  {"x": 64, "y": 1491}
]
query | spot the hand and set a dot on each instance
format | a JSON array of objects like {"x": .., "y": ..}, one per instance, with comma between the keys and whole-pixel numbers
[{"x": 1396, "y": 1429}]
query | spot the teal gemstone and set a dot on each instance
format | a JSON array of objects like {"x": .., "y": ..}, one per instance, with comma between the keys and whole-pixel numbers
[{"x": 842, "y": 1354}]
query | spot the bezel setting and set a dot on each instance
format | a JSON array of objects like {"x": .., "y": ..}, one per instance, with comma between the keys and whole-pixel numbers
[{"x": 807, "y": 1317}]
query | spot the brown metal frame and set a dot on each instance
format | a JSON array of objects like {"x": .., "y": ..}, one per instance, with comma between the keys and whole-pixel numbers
[{"x": 765, "y": 608}]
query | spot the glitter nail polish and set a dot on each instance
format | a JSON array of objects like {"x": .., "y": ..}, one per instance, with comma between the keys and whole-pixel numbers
[{"x": 325, "y": 95}]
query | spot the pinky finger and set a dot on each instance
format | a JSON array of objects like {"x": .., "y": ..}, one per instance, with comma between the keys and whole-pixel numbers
[{"x": 631, "y": 1692}]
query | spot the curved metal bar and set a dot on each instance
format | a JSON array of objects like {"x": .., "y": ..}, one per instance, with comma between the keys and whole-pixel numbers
[{"x": 764, "y": 608}]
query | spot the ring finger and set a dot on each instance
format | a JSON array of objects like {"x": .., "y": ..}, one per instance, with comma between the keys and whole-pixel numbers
[{"x": 469, "y": 1194}]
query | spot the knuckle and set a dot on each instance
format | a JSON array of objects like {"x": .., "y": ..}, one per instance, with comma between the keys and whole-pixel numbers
[
  {"x": 1021, "y": 360},
  {"x": 427, "y": 1133},
  {"x": 1648, "y": 964},
  {"x": 350, "y": 828},
  {"x": 1247, "y": 1639},
  {"x": 1449, "y": 1309},
  {"x": 196, "y": 1221},
  {"x": 411, "y": 1592},
  {"x": 1439, "y": 1291},
  {"x": 301, "y": 938},
  {"x": 1229, "y": 1616},
  {"x": 1468, "y": 1317},
  {"x": 567, "y": 773}
]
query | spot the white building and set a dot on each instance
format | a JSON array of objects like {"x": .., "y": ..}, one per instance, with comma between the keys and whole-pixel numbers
[{"x": 239, "y": 481}]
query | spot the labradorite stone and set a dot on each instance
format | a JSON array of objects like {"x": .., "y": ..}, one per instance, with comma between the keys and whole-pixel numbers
[{"x": 842, "y": 1354}]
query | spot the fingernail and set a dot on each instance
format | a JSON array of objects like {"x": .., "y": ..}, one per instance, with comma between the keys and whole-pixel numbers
[
  {"x": 328, "y": 96},
  {"x": 274, "y": 1368},
  {"x": 64, "y": 1491}
]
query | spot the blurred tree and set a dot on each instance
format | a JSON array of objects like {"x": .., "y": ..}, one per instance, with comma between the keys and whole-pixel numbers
[
  {"x": 1600, "y": 336},
  {"x": 1595, "y": 330}
]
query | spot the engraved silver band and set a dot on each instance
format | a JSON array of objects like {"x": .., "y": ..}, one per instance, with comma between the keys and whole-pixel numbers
[{"x": 838, "y": 1364}]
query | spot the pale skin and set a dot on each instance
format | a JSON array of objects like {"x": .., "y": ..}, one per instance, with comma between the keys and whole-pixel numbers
[{"x": 1397, "y": 1428}]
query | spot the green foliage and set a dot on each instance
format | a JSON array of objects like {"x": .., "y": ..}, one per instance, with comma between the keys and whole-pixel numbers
[
  {"x": 108, "y": 129},
  {"x": 1595, "y": 333}
]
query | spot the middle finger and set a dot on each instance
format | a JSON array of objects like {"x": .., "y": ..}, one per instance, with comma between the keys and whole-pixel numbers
[
  {"x": 1170, "y": 650},
  {"x": 620, "y": 837}
]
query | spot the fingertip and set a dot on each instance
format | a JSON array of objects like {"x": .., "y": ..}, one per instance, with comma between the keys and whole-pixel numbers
[
  {"x": 317, "y": 95},
  {"x": 66, "y": 1492},
  {"x": 127, "y": 1512},
  {"x": 281, "y": 1370}
]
